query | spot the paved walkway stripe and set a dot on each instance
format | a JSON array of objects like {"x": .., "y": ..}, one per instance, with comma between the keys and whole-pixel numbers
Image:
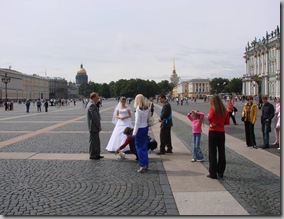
[{"x": 40, "y": 131}]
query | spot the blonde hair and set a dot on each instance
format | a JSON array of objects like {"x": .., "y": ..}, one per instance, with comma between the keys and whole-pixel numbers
[
  {"x": 217, "y": 105},
  {"x": 140, "y": 102}
]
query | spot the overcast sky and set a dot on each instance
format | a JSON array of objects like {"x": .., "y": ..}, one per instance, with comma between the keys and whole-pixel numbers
[{"x": 123, "y": 39}]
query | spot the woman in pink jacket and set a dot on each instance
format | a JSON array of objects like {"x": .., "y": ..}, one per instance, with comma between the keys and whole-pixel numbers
[{"x": 196, "y": 118}]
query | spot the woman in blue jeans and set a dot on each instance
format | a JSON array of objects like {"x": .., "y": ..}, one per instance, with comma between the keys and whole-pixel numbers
[{"x": 140, "y": 131}]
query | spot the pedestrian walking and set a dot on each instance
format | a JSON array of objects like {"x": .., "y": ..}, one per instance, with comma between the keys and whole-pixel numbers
[
  {"x": 196, "y": 118},
  {"x": 231, "y": 110},
  {"x": 218, "y": 117},
  {"x": 94, "y": 126},
  {"x": 28, "y": 104},
  {"x": 266, "y": 118},
  {"x": 38, "y": 105},
  {"x": 140, "y": 132},
  {"x": 276, "y": 120},
  {"x": 46, "y": 106},
  {"x": 165, "y": 127},
  {"x": 249, "y": 117}
]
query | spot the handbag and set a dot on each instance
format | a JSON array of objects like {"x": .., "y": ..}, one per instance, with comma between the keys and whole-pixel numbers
[
  {"x": 151, "y": 121},
  {"x": 235, "y": 109}
]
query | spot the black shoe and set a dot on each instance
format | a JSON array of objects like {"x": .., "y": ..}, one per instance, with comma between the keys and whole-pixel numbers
[
  {"x": 220, "y": 175},
  {"x": 212, "y": 177},
  {"x": 96, "y": 158},
  {"x": 169, "y": 151},
  {"x": 265, "y": 147},
  {"x": 160, "y": 152}
]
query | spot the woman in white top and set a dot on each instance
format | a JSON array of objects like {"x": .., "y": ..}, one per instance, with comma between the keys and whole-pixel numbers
[
  {"x": 140, "y": 131},
  {"x": 121, "y": 119}
]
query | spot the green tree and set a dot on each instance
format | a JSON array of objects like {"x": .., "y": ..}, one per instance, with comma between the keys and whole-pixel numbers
[
  {"x": 235, "y": 85},
  {"x": 165, "y": 87},
  {"x": 219, "y": 85},
  {"x": 84, "y": 90}
]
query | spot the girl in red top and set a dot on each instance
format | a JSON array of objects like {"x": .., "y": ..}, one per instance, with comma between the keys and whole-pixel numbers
[{"x": 218, "y": 117}]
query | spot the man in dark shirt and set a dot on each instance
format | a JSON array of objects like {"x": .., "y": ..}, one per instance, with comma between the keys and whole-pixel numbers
[
  {"x": 266, "y": 117},
  {"x": 165, "y": 128}
]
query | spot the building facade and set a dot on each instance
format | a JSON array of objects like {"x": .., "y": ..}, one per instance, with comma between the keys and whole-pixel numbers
[
  {"x": 262, "y": 58},
  {"x": 23, "y": 86},
  {"x": 198, "y": 87},
  {"x": 58, "y": 88}
]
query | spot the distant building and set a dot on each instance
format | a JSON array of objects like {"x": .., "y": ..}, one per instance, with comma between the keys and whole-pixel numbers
[
  {"x": 174, "y": 79},
  {"x": 262, "y": 58},
  {"x": 198, "y": 87},
  {"x": 23, "y": 86},
  {"x": 58, "y": 88},
  {"x": 73, "y": 92},
  {"x": 81, "y": 77},
  {"x": 182, "y": 89}
]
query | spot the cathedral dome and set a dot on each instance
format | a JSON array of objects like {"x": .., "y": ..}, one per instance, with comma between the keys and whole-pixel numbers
[{"x": 81, "y": 70}]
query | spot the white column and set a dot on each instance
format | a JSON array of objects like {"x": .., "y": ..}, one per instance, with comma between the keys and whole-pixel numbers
[
  {"x": 258, "y": 67},
  {"x": 266, "y": 58},
  {"x": 266, "y": 85},
  {"x": 262, "y": 70},
  {"x": 255, "y": 70},
  {"x": 248, "y": 88}
]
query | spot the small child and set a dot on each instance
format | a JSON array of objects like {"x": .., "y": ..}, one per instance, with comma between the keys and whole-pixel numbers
[
  {"x": 129, "y": 140},
  {"x": 196, "y": 118}
]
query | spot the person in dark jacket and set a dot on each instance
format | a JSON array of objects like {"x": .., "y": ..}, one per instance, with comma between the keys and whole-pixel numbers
[
  {"x": 94, "y": 125},
  {"x": 166, "y": 125},
  {"x": 266, "y": 117},
  {"x": 46, "y": 105}
]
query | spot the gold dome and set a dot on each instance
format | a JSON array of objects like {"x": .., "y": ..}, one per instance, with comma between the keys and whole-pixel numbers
[{"x": 81, "y": 70}]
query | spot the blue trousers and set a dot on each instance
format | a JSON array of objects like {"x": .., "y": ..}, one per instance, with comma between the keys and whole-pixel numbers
[
  {"x": 196, "y": 151},
  {"x": 141, "y": 144},
  {"x": 266, "y": 128}
]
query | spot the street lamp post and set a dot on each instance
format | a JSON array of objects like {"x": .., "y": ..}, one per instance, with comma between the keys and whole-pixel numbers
[{"x": 6, "y": 80}]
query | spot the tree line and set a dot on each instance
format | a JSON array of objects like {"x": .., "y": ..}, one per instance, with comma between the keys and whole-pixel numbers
[
  {"x": 132, "y": 87},
  {"x": 127, "y": 88}
]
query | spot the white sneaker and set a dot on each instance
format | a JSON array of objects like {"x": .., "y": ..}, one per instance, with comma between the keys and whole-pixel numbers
[
  {"x": 278, "y": 148},
  {"x": 121, "y": 154},
  {"x": 193, "y": 160},
  {"x": 200, "y": 160}
]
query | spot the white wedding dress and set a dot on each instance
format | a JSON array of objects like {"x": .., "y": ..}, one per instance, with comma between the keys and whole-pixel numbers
[{"x": 118, "y": 138}]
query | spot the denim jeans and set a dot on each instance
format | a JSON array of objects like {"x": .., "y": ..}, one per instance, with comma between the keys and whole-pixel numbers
[
  {"x": 265, "y": 132},
  {"x": 196, "y": 151}
]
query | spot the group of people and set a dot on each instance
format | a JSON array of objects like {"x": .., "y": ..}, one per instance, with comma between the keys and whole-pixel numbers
[
  {"x": 218, "y": 116},
  {"x": 249, "y": 115},
  {"x": 124, "y": 132}
]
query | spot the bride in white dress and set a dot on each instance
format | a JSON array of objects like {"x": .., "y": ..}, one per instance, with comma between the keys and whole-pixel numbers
[{"x": 121, "y": 119}]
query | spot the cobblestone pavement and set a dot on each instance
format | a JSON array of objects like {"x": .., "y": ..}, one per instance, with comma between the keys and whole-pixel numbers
[
  {"x": 74, "y": 187},
  {"x": 110, "y": 186},
  {"x": 256, "y": 189}
]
